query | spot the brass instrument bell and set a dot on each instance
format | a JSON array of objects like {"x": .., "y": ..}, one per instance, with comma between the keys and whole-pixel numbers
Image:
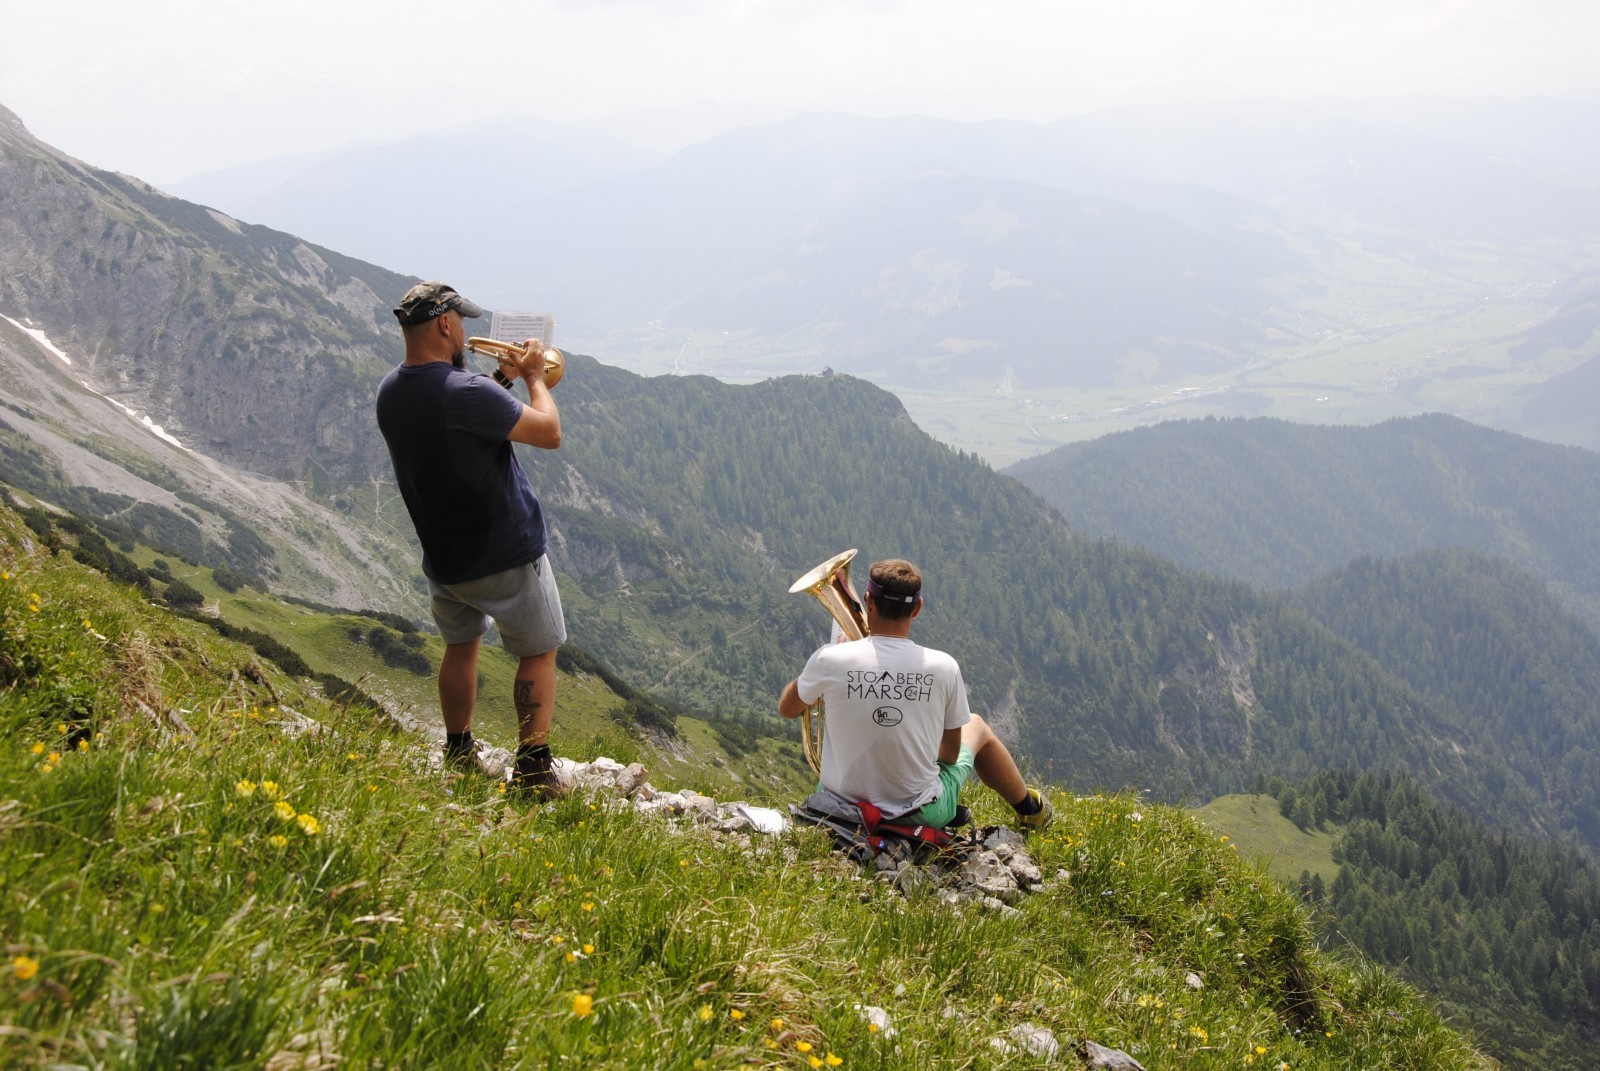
[
  {"x": 830, "y": 584},
  {"x": 555, "y": 362}
]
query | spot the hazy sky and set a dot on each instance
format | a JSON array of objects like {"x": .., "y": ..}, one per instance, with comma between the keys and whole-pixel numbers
[{"x": 164, "y": 89}]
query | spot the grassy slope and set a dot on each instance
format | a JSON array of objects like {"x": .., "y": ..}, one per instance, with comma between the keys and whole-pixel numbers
[
  {"x": 1254, "y": 824},
  {"x": 160, "y": 909}
]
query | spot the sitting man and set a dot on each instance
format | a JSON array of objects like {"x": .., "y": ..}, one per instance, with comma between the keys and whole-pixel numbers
[{"x": 899, "y": 732}]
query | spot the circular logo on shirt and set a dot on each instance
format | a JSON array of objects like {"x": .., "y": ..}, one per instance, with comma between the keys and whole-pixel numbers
[{"x": 887, "y": 715}]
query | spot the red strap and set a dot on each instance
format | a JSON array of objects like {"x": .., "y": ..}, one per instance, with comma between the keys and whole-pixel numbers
[
  {"x": 927, "y": 834},
  {"x": 870, "y": 815},
  {"x": 872, "y": 819}
]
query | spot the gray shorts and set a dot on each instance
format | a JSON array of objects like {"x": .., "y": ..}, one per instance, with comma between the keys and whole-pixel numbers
[{"x": 523, "y": 601}]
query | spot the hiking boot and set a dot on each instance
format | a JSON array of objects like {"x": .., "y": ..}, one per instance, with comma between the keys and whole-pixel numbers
[
  {"x": 536, "y": 781},
  {"x": 468, "y": 761},
  {"x": 1040, "y": 819}
]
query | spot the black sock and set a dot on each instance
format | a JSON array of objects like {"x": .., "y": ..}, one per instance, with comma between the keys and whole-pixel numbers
[
  {"x": 1029, "y": 804},
  {"x": 460, "y": 743}
]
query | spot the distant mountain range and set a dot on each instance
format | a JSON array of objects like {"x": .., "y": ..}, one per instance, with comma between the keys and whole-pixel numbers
[
  {"x": 1278, "y": 504},
  {"x": 1332, "y": 260}
]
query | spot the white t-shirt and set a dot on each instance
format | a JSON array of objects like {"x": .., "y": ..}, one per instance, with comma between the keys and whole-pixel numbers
[{"x": 888, "y": 702}]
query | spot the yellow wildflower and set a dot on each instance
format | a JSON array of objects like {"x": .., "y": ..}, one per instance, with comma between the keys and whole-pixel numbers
[
  {"x": 813, "y": 1061},
  {"x": 588, "y": 950},
  {"x": 572, "y": 957},
  {"x": 269, "y": 789},
  {"x": 803, "y": 1046},
  {"x": 582, "y": 1005},
  {"x": 55, "y": 756},
  {"x": 278, "y": 840},
  {"x": 283, "y": 810},
  {"x": 777, "y": 1024},
  {"x": 735, "y": 1014},
  {"x": 83, "y": 745},
  {"x": 61, "y": 728},
  {"x": 24, "y": 967},
  {"x": 834, "y": 1061},
  {"x": 38, "y": 749},
  {"x": 372, "y": 788},
  {"x": 706, "y": 1013},
  {"x": 588, "y": 905},
  {"x": 245, "y": 788},
  {"x": 1200, "y": 1032},
  {"x": 309, "y": 824}
]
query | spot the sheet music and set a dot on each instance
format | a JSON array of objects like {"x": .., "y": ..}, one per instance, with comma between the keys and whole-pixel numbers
[{"x": 521, "y": 326}]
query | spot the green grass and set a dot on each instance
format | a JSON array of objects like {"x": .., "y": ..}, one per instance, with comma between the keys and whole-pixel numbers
[
  {"x": 1253, "y": 824},
  {"x": 209, "y": 882}
]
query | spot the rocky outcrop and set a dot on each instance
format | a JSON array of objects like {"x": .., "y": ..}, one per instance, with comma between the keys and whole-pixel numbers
[{"x": 246, "y": 343}]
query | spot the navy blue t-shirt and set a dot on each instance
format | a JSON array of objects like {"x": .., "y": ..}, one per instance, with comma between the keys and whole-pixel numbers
[{"x": 473, "y": 508}]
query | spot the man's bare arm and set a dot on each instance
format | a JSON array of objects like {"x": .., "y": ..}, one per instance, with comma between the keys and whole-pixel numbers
[
  {"x": 540, "y": 423},
  {"x": 950, "y": 746},
  {"x": 790, "y": 705}
]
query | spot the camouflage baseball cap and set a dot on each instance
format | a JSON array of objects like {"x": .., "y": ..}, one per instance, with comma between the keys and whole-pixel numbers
[{"x": 429, "y": 300}]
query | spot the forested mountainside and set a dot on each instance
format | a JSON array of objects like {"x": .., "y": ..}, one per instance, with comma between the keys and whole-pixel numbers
[
  {"x": 1503, "y": 928},
  {"x": 1479, "y": 636},
  {"x": 243, "y": 342},
  {"x": 1278, "y": 503},
  {"x": 696, "y": 503}
]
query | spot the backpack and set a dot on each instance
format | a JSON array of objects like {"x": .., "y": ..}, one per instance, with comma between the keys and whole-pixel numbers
[{"x": 860, "y": 830}]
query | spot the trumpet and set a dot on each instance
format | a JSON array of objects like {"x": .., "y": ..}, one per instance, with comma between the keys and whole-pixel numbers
[
  {"x": 555, "y": 362},
  {"x": 829, "y": 583}
]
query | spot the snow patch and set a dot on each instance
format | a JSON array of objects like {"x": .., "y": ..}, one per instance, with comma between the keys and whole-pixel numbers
[
  {"x": 39, "y": 337},
  {"x": 154, "y": 428},
  {"x": 44, "y": 343}
]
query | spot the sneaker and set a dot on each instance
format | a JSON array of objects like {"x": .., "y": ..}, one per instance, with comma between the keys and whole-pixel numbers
[{"x": 1040, "y": 819}]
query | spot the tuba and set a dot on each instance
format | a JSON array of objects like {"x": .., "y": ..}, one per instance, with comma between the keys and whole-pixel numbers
[
  {"x": 555, "y": 362},
  {"x": 830, "y": 583}
]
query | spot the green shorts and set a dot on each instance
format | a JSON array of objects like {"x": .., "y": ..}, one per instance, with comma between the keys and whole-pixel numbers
[{"x": 941, "y": 811}]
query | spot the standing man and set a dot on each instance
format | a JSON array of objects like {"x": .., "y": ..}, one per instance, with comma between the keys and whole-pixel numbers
[
  {"x": 483, "y": 537},
  {"x": 899, "y": 732}
]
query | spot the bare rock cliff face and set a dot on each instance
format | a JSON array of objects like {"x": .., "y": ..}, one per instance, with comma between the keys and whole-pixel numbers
[{"x": 246, "y": 343}]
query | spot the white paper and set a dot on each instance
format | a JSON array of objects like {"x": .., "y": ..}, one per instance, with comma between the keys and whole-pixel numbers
[{"x": 521, "y": 326}]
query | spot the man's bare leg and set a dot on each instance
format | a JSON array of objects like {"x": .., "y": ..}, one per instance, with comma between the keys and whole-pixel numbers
[
  {"x": 992, "y": 761},
  {"x": 535, "y": 697},
  {"x": 536, "y": 700},
  {"x": 458, "y": 685}
]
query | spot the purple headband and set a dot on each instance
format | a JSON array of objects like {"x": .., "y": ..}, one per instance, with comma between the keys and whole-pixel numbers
[{"x": 875, "y": 589}]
